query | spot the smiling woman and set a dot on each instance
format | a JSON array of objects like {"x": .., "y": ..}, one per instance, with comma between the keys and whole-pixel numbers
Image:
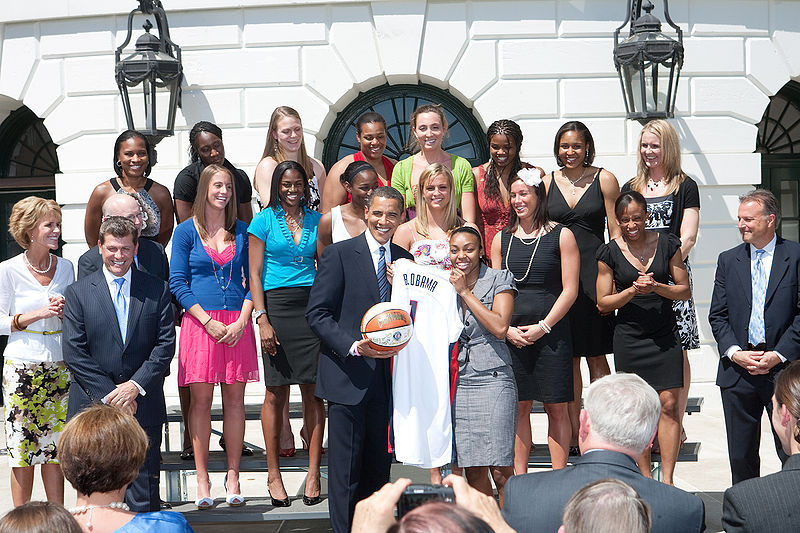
[{"x": 132, "y": 165}]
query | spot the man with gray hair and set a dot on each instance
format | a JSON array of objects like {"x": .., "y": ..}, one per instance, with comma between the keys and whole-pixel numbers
[
  {"x": 617, "y": 423},
  {"x": 755, "y": 318},
  {"x": 606, "y": 506},
  {"x": 150, "y": 258}
]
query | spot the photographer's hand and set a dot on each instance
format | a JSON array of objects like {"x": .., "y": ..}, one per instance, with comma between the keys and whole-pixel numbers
[
  {"x": 483, "y": 506},
  {"x": 376, "y": 513}
]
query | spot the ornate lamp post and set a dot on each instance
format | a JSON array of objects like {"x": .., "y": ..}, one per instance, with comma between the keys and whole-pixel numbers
[
  {"x": 154, "y": 73},
  {"x": 649, "y": 63}
]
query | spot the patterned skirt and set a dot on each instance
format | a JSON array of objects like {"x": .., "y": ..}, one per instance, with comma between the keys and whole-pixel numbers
[{"x": 35, "y": 397}]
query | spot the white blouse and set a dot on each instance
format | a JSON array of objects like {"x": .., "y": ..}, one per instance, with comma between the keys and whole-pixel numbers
[{"x": 21, "y": 293}]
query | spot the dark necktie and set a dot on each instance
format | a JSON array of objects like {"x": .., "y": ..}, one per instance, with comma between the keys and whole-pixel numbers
[{"x": 383, "y": 283}]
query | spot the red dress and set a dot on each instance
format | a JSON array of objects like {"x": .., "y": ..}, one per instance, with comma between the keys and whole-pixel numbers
[
  {"x": 494, "y": 213},
  {"x": 388, "y": 166}
]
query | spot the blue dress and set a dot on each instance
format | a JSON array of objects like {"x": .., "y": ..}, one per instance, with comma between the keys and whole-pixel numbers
[{"x": 159, "y": 522}]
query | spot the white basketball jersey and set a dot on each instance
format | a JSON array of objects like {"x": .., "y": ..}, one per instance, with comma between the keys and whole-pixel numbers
[{"x": 421, "y": 372}]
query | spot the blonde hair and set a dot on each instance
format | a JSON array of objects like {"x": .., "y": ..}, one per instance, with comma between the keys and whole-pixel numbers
[
  {"x": 451, "y": 218},
  {"x": 201, "y": 200},
  {"x": 26, "y": 214},
  {"x": 670, "y": 157},
  {"x": 272, "y": 147}
]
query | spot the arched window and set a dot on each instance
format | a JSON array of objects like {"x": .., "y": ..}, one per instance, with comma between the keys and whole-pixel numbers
[
  {"x": 28, "y": 164},
  {"x": 465, "y": 137}
]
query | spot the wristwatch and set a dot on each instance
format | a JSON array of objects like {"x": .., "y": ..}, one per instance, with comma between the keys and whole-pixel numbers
[{"x": 257, "y": 314}]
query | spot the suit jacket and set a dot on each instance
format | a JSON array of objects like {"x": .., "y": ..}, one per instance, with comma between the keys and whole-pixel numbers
[
  {"x": 97, "y": 356},
  {"x": 152, "y": 260},
  {"x": 535, "y": 502},
  {"x": 345, "y": 287},
  {"x": 769, "y": 503},
  {"x": 731, "y": 302}
]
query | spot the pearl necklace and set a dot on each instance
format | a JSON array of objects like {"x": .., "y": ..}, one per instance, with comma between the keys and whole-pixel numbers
[
  {"x": 46, "y": 270},
  {"x": 89, "y": 508},
  {"x": 537, "y": 240}
]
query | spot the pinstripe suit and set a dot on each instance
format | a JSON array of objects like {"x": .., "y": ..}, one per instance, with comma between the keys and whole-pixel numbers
[
  {"x": 770, "y": 503},
  {"x": 99, "y": 359}
]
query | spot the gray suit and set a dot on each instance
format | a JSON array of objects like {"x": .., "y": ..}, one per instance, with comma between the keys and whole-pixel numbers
[
  {"x": 769, "y": 503},
  {"x": 535, "y": 502}
]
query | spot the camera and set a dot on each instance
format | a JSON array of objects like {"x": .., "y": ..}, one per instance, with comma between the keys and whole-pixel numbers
[{"x": 418, "y": 494}]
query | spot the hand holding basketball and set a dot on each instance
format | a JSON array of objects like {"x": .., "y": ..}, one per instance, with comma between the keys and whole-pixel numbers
[
  {"x": 386, "y": 329},
  {"x": 365, "y": 349}
]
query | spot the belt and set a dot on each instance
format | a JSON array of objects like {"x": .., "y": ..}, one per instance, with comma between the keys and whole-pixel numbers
[{"x": 49, "y": 332}]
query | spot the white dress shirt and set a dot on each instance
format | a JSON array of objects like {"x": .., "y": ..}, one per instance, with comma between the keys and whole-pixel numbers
[
  {"x": 126, "y": 295},
  {"x": 766, "y": 264},
  {"x": 374, "y": 251}
]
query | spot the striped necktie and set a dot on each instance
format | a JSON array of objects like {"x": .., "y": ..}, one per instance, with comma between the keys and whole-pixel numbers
[
  {"x": 755, "y": 330},
  {"x": 383, "y": 283}
]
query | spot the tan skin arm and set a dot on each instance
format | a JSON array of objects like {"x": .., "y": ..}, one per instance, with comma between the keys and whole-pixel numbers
[
  {"x": 404, "y": 236},
  {"x": 183, "y": 210},
  {"x": 163, "y": 199},
  {"x": 469, "y": 207},
  {"x": 324, "y": 233},
  {"x": 266, "y": 333},
  {"x": 610, "y": 187},
  {"x": 680, "y": 290},
  {"x": 262, "y": 180},
  {"x": 334, "y": 193},
  {"x": 496, "y": 319},
  {"x": 689, "y": 228},
  {"x": 607, "y": 299},
  {"x": 245, "y": 212},
  {"x": 94, "y": 212}
]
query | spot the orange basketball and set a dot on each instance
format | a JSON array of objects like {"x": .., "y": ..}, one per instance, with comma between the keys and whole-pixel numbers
[{"x": 386, "y": 327}]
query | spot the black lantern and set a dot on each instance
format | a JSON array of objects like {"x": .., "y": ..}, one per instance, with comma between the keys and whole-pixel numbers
[
  {"x": 649, "y": 63},
  {"x": 154, "y": 72}
]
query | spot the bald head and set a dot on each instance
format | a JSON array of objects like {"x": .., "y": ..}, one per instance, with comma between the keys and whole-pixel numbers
[{"x": 123, "y": 205}]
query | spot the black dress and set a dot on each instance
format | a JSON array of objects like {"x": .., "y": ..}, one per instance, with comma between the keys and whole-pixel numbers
[
  {"x": 645, "y": 337},
  {"x": 543, "y": 370},
  {"x": 591, "y": 332}
]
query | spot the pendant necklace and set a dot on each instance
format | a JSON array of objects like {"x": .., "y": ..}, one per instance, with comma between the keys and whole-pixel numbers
[{"x": 574, "y": 182}]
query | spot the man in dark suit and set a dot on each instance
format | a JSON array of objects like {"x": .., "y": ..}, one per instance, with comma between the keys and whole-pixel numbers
[
  {"x": 769, "y": 503},
  {"x": 353, "y": 377},
  {"x": 755, "y": 317},
  {"x": 617, "y": 423},
  {"x": 150, "y": 258},
  {"x": 118, "y": 341}
]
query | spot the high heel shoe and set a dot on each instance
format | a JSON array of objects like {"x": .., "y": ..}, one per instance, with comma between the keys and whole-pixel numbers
[
  {"x": 234, "y": 500},
  {"x": 276, "y": 502},
  {"x": 205, "y": 503},
  {"x": 304, "y": 440}
]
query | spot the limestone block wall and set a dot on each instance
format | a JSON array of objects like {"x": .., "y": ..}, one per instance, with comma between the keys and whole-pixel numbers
[{"x": 540, "y": 62}]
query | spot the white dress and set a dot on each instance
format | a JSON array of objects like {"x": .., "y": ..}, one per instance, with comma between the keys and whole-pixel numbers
[{"x": 338, "y": 230}]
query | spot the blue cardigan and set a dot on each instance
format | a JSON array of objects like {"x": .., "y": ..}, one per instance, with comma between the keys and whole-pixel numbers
[{"x": 192, "y": 271}]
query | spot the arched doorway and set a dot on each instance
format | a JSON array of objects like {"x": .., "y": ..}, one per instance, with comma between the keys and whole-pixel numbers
[
  {"x": 779, "y": 145},
  {"x": 28, "y": 164},
  {"x": 395, "y": 103}
]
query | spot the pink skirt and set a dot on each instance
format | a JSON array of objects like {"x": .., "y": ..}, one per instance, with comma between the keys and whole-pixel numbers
[{"x": 202, "y": 360}]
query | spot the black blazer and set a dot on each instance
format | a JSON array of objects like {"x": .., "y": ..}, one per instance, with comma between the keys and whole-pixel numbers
[
  {"x": 345, "y": 287},
  {"x": 769, "y": 503},
  {"x": 96, "y": 354},
  {"x": 731, "y": 301},
  {"x": 152, "y": 260},
  {"x": 535, "y": 502}
]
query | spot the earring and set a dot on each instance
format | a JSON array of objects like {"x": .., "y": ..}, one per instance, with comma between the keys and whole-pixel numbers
[{"x": 119, "y": 164}]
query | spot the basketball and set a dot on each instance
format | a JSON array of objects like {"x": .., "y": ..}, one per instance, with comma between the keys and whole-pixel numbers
[{"x": 386, "y": 327}]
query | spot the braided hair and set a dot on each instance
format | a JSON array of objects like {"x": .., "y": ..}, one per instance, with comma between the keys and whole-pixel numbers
[{"x": 513, "y": 133}]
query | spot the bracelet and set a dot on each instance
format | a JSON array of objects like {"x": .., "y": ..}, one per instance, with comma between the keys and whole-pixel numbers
[
  {"x": 207, "y": 321},
  {"x": 15, "y": 322},
  {"x": 544, "y": 326}
]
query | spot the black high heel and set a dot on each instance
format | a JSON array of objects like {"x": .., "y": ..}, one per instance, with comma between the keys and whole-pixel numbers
[
  {"x": 276, "y": 502},
  {"x": 308, "y": 500}
]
